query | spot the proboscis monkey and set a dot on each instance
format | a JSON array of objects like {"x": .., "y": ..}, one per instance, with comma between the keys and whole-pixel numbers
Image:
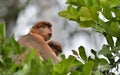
[
  {"x": 56, "y": 47},
  {"x": 36, "y": 38}
]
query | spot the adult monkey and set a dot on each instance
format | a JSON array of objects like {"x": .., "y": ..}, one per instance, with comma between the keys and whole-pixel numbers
[{"x": 36, "y": 38}]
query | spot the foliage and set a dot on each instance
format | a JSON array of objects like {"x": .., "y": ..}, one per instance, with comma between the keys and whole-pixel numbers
[
  {"x": 32, "y": 65},
  {"x": 87, "y": 13}
]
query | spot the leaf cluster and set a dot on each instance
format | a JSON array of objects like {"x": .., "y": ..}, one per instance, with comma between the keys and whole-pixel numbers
[
  {"x": 102, "y": 16},
  {"x": 77, "y": 64},
  {"x": 87, "y": 14}
]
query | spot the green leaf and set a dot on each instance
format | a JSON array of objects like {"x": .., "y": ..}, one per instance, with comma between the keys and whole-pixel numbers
[
  {"x": 116, "y": 49},
  {"x": 90, "y": 58},
  {"x": 86, "y": 24},
  {"x": 62, "y": 56},
  {"x": 117, "y": 13},
  {"x": 118, "y": 42},
  {"x": 23, "y": 71},
  {"x": 109, "y": 40},
  {"x": 82, "y": 53},
  {"x": 104, "y": 25},
  {"x": 70, "y": 13},
  {"x": 114, "y": 3},
  {"x": 115, "y": 29},
  {"x": 96, "y": 60},
  {"x": 58, "y": 69},
  {"x": 11, "y": 47},
  {"x": 96, "y": 3},
  {"x": 75, "y": 73},
  {"x": 2, "y": 32},
  {"x": 89, "y": 15},
  {"x": 94, "y": 13},
  {"x": 104, "y": 3},
  {"x": 95, "y": 53},
  {"x": 76, "y": 63},
  {"x": 88, "y": 3},
  {"x": 75, "y": 2},
  {"x": 87, "y": 68},
  {"x": 85, "y": 14},
  {"x": 105, "y": 50},
  {"x": 64, "y": 66},
  {"x": 12, "y": 68},
  {"x": 75, "y": 52},
  {"x": 107, "y": 13},
  {"x": 39, "y": 66},
  {"x": 30, "y": 56},
  {"x": 104, "y": 68},
  {"x": 98, "y": 28},
  {"x": 103, "y": 61},
  {"x": 1, "y": 59},
  {"x": 98, "y": 73}
]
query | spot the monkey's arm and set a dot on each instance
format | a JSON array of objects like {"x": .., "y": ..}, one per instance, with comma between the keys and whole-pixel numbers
[{"x": 43, "y": 48}]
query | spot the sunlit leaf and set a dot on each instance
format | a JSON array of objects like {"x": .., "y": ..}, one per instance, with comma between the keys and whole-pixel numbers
[
  {"x": 86, "y": 24},
  {"x": 39, "y": 66},
  {"x": 75, "y": 2},
  {"x": 70, "y": 13},
  {"x": 76, "y": 63},
  {"x": 94, "y": 13},
  {"x": 87, "y": 69},
  {"x": 63, "y": 67},
  {"x": 11, "y": 47},
  {"x": 85, "y": 14}
]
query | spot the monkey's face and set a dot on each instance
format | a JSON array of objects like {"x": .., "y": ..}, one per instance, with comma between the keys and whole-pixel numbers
[
  {"x": 45, "y": 32},
  {"x": 43, "y": 29}
]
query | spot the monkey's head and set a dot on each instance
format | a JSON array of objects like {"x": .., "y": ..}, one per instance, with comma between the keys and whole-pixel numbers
[
  {"x": 42, "y": 28},
  {"x": 56, "y": 47}
]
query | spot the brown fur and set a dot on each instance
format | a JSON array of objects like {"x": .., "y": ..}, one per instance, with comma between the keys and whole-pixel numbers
[
  {"x": 36, "y": 41},
  {"x": 56, "y": 47}
]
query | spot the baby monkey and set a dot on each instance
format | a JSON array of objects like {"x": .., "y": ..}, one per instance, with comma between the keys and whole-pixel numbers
[{"x": 56, "y": 47}]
